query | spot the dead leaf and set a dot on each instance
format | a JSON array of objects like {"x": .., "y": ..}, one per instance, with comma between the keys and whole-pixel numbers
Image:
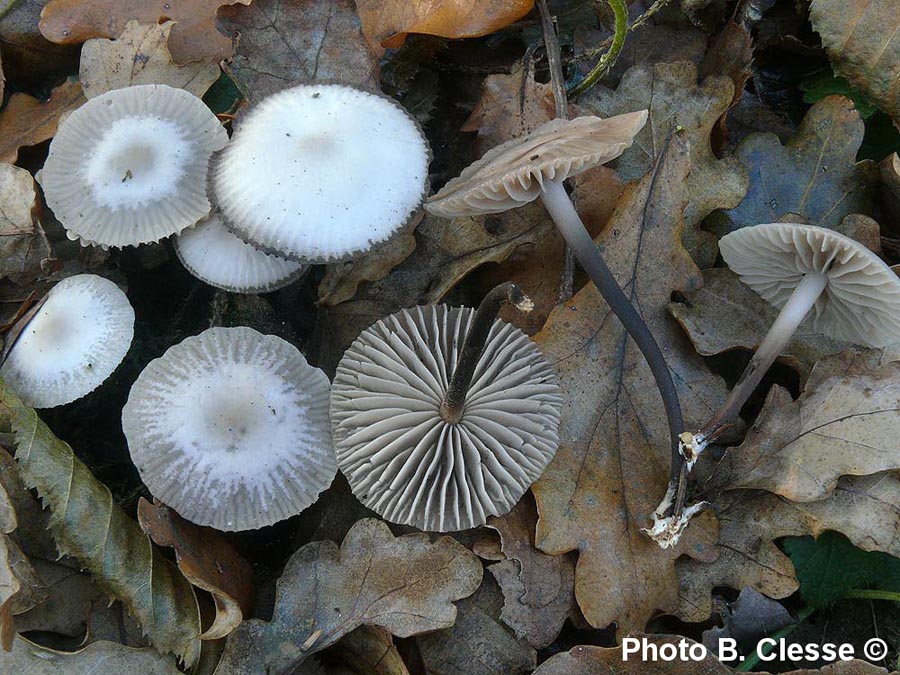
[
  {"x": 28, "y": 657},
  {"x": 23, "y": 246},
  {"x": 730, "y": 54},
  {"x": 2, "y": 79},
  {"x": 890, "y": 179},
  {"x": 194, "y": 36},
  {"x": 477, "y": 637},
  {"x": 27, "y": 121},
  {"x": 367, "y": 650},
  {"x": 207, "y": 560},
  {"x": 538, "y": 589},
  {"x": 613, "y": 465},
  {"x": 66, "y": 606},
  {"x": 674, "y": 99},
  {"x": 385, "y": 23},
  {"x": 860, "y": 38},
  {"x": 140, "y": 56},
  {"x": 29, "y": 59},
  {"x": 406, "y": 585},
  {"x": 815, "y": 175},
  {"x": 750, "y": 618},
  {"x": 285, "y": 42}
]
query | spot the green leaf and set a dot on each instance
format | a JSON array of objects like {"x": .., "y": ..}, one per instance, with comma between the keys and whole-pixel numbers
[
  {"x": 829, "y": 567},
  {"x": 89, "y": 526},
  {"x": 819, "y": 86},
  {"x": 223, "y": 96}
]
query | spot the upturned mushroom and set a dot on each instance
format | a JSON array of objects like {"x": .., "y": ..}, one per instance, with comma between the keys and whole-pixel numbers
[
  {"x": 443, "y": 417},
  {"x": 321, "y": 173},
  {"x": 130, "y": 166},
  {"x": 230, "y": 428},
  {"x": 72, "y": 344}
]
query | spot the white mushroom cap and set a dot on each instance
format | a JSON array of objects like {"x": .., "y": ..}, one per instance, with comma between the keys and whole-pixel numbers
[
  {"x": 213, "y": 254},
  {"x": 230, "y": 428},
  {"x": 322, "y": 172},
  {"x": 72, "y": 344},
  {"x": 409, "y": 465},
  {"x": 129, "y": 166},
  {"x": 861, "y": 301},
  {"x": 513, "y": 173}
]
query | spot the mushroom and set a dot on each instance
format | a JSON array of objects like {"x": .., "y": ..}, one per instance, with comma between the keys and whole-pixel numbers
[
  {"x": 129, "y": 166},
  {"x": 72, "y": 344},
  {"x": 521, "y": 170},
  {"x": 321, "y": 173},
  {"x": 810, "y": 273},
  {"x": 210, "y": 252},
  {"x": 230, "y": 429},
  {"x": 443, "y": 417}
]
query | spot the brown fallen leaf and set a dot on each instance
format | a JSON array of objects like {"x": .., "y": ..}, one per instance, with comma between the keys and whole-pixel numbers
[
  {"x": 748, "y": 619},
  {"x": 28, "y": 657},
  {"x": 29, "y": 59},
  {"x": 730, "y": 54},
  {"x": 281, "y": 43},
  {"x": 367, "y": 650},
  {"x": 613, "y": 465},
  {"x": 26, "y": 121},
  {"x": 478, "y": 640},
  {"x": 674, "y": 99},
  {"x": 890, "y": 180},
  {"x": 406, "y": 585},
  {"x": 538, "y": 589},
  {"x": 23, "y": 246},
  {"x": 140, "y": 56},
  {"x": 2, "y": 79},
  {"x": 815, "y": 175},
  {"x": 207, "y": 560},
  {"x": 385, "y": 23},
  {"x": 860, "y": 39},
  {"x": 194, "y": 36}
]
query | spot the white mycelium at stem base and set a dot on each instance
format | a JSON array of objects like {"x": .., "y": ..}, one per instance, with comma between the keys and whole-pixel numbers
[
  {"x": 230, "y": 428},
  {"x": 72, "y": 344},
  {"x": 319, "y": 173}
]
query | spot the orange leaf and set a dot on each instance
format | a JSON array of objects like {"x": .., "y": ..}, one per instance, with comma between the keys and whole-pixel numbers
[{"x": 27, "y": 121}]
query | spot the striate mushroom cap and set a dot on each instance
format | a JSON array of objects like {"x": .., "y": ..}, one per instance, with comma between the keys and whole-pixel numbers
[
  {"x": 72, "y": 344},
  {"x": 230, "y": 428},
  {"x": 321, "y": 173},
  {"x": 129, "y": 167},
  {"x": 513, "y": 173},
  {"x": 861, "y": 301},
  {"x": 402, "y": 459},
  {"x": 213, "y": 254}
]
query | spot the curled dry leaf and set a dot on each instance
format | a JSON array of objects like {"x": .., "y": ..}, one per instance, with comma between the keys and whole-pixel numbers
[
  {"x": 194, "y": 36},
  {"x": 88, "y": 525},
  {"x": 140, "y": 56},
  {"x": 281, "y": 43},
  {"x": 814, "y": 176},
  {"x": 97, "y": 657},
  {"x": 613, "y": 466},
  {"x": 367, "y": 650},
  {"x": 207, "y": 560},
  {"x": 23, "y": 245},
  {"x": 386, "y": 22},
  {"x": 26, "y": 121},
  {"x": 860, "y": 39},
  {"x": 406, "y": 585},
  {"x": 29, "y": 59}
]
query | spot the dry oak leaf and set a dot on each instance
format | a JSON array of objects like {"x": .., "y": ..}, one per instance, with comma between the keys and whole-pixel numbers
[
  {"x": 23, "y": 245},
  {"x": 281, "y": 43},
  {"x": 385, "y": 23},
  {"x": 368, "y": 650},
  {"x": 140, "y": 56},
  {"x": 590, "y": 660},
  {"x": 194, "y": 36},
  {"x": 406, "y": 585},
  {"x": 864, "y": 508},
  {"x": 814, "y": 176},
  {"x": 95, "y": 658},
  {"x": 27, "y": 121},
  {"x": 669, "y": 91},
  {"x": 29, "y": 59},
  {"x": 207, "y": 560},
  {"x": 860, "y": 38},
  {"x": 612, "y": 467}
]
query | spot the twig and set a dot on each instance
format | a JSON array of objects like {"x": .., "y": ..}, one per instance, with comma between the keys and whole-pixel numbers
[{"x": 608, "y": 60}]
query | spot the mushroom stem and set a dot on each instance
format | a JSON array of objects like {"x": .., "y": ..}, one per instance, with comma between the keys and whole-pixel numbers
[
  {"x": 574, "y": 232},
  {"x": 789, "y": 319},
  {"x": 455, "y": 399}
]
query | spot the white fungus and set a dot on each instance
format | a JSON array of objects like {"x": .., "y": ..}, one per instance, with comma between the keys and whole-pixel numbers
[
  {"x": 218, "y": 257},
  {"x": 129, "y": 167},
  {"x": 230, "y": 428},
  {"x": 319, "y": 173},
  {"x": 72, "y": 344}
]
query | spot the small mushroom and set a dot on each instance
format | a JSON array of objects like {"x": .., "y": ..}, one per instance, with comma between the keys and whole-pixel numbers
[
  {"x": 72, "y": 344},
  {"x": 321, "y": 173},
  {"x": 210, "y": 252},
  {"x": 129, "y": 166},
  {"x": 230, "y": 428},
  {"x": 443, "y": 417},
  {"x": 812, "y": 274}
]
